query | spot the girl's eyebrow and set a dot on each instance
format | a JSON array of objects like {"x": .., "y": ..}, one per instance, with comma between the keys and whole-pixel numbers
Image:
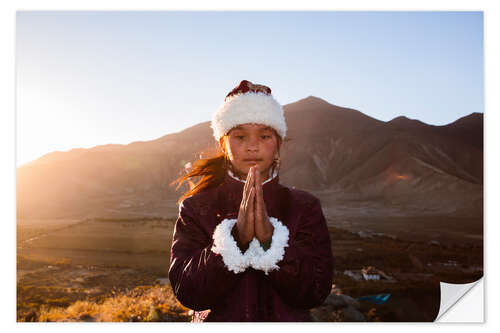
[{"x": 239, "y": 128}]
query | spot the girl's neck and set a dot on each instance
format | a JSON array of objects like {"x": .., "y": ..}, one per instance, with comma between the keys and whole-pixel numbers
[{"x": 242, "y": 177}]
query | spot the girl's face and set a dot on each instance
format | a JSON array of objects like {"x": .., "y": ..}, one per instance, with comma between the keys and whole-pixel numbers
[{"x": 251, "y": 144}]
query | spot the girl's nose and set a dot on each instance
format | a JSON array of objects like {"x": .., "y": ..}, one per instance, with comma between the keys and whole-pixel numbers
[{"x": 253, "y": 145}]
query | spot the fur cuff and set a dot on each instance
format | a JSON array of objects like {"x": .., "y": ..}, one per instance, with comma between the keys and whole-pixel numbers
[
  {"x": 225, "y": 245},
  {"x": 254, "y": 256},
  {"x": 267, "y": 260}
]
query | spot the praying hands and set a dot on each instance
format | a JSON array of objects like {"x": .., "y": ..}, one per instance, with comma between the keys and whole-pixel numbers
[{"x": 253, "y": 220}]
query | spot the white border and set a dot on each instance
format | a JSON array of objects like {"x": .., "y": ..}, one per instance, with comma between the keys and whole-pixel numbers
[{"x": 7, "y": 134}]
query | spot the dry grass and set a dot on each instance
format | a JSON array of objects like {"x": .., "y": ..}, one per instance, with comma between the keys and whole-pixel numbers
[{"x": 145, "y": 303}]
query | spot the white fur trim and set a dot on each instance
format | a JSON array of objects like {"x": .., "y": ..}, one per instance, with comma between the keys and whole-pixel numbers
[
  {"x": 267, "y": 260},
  {"x": 225, "y": 245},
  {"x": 251, "y": 107},
  {"x": 254, "y": 256}
]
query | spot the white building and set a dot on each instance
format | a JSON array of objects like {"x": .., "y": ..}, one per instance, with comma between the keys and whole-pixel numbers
[{"x": 370, "y": 273}]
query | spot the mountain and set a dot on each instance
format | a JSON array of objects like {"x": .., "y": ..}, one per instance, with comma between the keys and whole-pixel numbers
[{"x": 343, "y": 156}]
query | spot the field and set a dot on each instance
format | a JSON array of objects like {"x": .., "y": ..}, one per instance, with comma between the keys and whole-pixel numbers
[
  {"x": 134, "y": 243},
  {"x": 61, "y": 264},
  {"x": 443, "y": 229}
]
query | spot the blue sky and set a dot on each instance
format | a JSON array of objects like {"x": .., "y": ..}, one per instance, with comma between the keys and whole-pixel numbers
[{"x": 90, "y": 78}]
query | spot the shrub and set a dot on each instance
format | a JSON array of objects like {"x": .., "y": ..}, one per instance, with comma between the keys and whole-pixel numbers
[{"x": 144, "y": 303}]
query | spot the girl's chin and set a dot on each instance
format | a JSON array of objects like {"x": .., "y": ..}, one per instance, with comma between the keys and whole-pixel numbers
[{"x": 243, "y": 172}]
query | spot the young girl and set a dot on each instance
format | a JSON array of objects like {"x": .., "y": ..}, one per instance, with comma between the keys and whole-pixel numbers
[{"x": 245, "y": 247}]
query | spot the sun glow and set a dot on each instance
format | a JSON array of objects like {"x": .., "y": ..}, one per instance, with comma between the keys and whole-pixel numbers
[{"x": 39, "y": 122}]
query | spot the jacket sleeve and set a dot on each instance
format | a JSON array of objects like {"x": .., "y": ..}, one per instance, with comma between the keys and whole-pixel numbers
[
  {"x": 203, "y": 269},
  {"x": 303, "y": 277}
]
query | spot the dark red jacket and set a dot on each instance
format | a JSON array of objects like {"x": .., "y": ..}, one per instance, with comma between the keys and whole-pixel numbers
[{"x": 207, "y": 276}]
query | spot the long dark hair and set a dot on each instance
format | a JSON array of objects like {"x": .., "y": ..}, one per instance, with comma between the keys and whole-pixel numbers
[{"x": 212, "y": 171}]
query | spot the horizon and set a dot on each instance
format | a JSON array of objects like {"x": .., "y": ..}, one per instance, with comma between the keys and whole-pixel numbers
[
  {"x": 88, "y": 78},
  {"x": 193, "y": 125}
]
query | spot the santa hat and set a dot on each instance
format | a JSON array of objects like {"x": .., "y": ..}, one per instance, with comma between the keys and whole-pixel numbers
[{"x": 248, "y": 103}]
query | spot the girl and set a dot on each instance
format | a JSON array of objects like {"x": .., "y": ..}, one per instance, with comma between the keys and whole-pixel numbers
[{"x": 245, "y": 247}]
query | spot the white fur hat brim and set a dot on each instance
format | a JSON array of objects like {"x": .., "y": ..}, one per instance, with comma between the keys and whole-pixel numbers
[{"x": 251, "y": 107}]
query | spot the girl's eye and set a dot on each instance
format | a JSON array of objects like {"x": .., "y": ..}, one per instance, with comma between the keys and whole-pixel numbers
[
  {"x": 265, "y": 136},
  {"x": 240, "y": 137}
]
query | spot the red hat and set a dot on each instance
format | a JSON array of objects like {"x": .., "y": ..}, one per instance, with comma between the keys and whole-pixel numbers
[{"x": 246, "y": 86}]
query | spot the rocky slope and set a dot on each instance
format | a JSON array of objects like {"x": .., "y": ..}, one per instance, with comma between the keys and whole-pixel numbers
[{"x": 339, "y": 154}]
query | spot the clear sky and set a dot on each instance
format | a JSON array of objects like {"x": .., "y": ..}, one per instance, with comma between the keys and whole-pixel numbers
[{"x": 91, "y": 78}]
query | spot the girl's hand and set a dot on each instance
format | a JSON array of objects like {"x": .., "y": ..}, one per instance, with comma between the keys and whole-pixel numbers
[
  {"x": 263, "y": 227},
  {"x": 246, "y": 214}
]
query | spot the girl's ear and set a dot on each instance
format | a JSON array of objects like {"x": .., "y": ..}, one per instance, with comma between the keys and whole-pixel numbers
[
  {"x": 280, "y": 143},
  {"x": 279, "y": 140}
]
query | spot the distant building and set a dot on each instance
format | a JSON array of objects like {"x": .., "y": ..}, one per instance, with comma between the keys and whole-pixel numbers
[{"x": 370, "y": 273}]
